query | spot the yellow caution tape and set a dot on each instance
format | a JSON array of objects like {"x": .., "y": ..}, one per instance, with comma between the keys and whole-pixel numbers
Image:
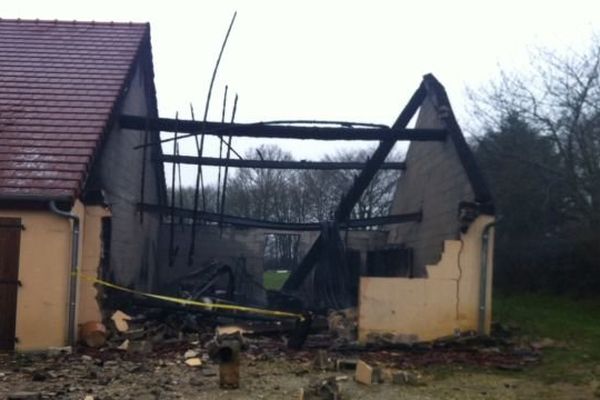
[{"x": 187, "y": 302}]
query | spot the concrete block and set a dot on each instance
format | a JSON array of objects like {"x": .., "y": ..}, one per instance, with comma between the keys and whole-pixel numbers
[{"x": 367, "y": 374}]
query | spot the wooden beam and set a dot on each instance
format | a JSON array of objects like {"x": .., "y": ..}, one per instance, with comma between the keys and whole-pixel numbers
[
  {"x": 278, "y": 131},
  {"x": 275, "y": 164},
  {"x": 279, "y": 226}
]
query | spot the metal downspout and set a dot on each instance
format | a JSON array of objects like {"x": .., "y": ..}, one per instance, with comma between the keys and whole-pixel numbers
[
  {"x": 483, "y": 306},
  {"x": 73, "y": 271}
]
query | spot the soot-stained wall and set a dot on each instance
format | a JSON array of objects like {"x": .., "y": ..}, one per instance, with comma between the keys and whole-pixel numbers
[
  {"x": 239, "y": 247},
  {"x": 435, "y": 182},
  {"x": 118, "y": 173}
]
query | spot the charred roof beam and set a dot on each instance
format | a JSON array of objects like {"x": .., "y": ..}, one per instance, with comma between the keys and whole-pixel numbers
[
  {"x": 276, "y": 164},
  {"x": 281, "y": 226},
  {"x": 268, "y": 130}
]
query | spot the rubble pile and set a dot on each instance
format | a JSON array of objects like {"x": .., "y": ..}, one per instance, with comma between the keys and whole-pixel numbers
[{"x": 153, "y": 356}]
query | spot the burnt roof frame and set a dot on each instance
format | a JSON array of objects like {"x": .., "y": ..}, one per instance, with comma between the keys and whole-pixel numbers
[
  {"x": 352, "y": 196},
  {"x": 245, "y": 222},
  {"x": 431, "y": 87},
  {"x": 275, "y": 164},
  {"x": 272, "y": 130}
]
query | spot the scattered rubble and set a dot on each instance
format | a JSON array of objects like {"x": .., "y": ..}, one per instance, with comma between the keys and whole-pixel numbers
[
  {"x": 24, "y": 396},
  {"x": 322, "y": 389},
  {"x": 120, "y": 319},
  {"x": 367, "y": 374},
  {"x": 343, "y": 325},
  {"x": 406, "y": 378},
  {"x": 124, "y": 346},
  {"x": 165, "y": 354},
  {"x": 322, "y": 360},
  {"x": 190, "y": 354},
  {"x": 266, "y": 367},
  {"x": 193, "y": 362},
  {"x": 345, "y": 363},
  {"x": 56, "y": 351}
]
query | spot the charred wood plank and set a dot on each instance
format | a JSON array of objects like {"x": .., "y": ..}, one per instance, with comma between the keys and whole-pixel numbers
[
  {"x": 279, "y": 131},
  {"x": 275, "y": 164},
  {"x": 273, "y": 225}
]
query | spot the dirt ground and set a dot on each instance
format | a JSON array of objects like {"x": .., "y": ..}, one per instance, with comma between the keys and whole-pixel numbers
[{"x": 272, "y": 375}]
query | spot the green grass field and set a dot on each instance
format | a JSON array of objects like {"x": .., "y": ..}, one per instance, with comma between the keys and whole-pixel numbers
[
  {"x": 574, "y": 324},
  {"x": 273, "y": 280}
]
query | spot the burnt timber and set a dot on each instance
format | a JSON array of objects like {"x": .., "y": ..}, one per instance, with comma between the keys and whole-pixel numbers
[
  {"x": 262, "y": 130},
  {"x": 245, "y": 222},
  {"x": 274, "y": 164}
]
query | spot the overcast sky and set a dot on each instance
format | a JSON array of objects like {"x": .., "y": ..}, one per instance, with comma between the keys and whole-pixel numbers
[{"x": 333, "y": 60}]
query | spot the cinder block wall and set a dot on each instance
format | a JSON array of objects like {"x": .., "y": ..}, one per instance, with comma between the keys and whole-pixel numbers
[
  {"x": 434, "y": 182},
  {"x": 133, "y": 243},
  {"x": 238, "y": 248},
  {"x": 235, "y": 245}
]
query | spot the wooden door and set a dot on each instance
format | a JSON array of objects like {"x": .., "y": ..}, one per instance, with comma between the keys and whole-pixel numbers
[{"x": 10, "y": 241}]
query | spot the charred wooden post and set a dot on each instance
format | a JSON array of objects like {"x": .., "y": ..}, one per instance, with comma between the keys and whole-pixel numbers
[
  {"x": 229, "y": 149},
  {"x": 229, "y": 364},
  {"x": 217, "y": 205},
  {"x": 300, "y": 332},
  {"x": 201, "y": 149},
  {"x": 143, "y": 183},
  {"x": 172, "y": 251},
  {"x": 196, "y": 196},
  {"x": 225, "y": 350},
  {"x": 180, "y": 186}
]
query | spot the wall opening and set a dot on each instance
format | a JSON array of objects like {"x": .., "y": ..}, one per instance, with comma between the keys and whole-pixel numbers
[
  {"x": 281, "y": 251},
  {"x": 279, "y": 258}
]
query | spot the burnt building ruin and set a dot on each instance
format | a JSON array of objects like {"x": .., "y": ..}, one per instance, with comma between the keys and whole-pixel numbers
[
  {"x": 83, "y": 194},
  {"x": 439, "y": 195}
]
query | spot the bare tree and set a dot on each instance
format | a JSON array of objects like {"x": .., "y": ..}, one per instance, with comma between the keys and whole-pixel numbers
[
  {"x": 271, "y": 194},
  {"x": 560, "y": 98},
  {"x": 541, "y": 148},
  {"x": 327, "y": 187},
  {"x": 305, "y": 195}
]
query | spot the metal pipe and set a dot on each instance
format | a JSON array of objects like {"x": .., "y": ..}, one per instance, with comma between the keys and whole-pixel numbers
[
  {"x": 483, "y": 293},
  {"x": 73, "y": 270}
]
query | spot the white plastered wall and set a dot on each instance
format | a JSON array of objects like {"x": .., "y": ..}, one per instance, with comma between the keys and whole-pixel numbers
[
  {"x": 44, "y": 269},
  {"x": 444, "y": 303}
]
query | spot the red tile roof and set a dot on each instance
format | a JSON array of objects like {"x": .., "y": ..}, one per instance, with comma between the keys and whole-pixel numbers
[{"x": 59, "y": 83}]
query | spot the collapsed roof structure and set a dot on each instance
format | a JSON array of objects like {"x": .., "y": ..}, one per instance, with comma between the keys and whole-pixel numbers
[
  {"x": 79, "y": 129},
  {"x": 440, "y": 193}
]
